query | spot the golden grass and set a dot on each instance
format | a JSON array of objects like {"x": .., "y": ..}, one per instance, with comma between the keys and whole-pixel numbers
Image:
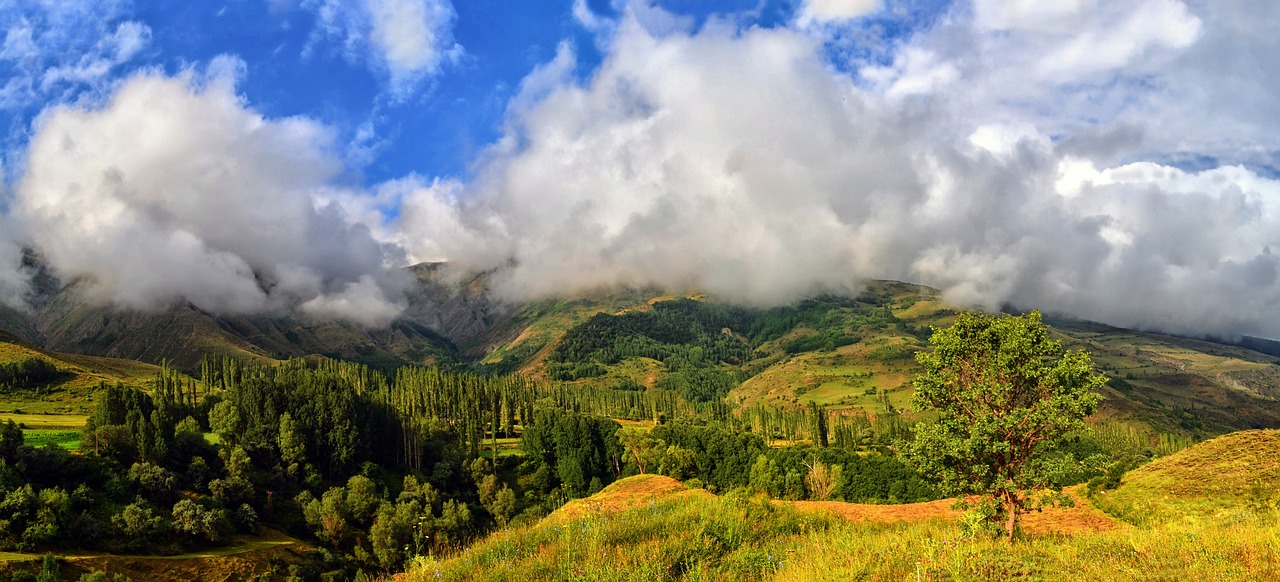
[
  {"x": 46, "y": 421},
  {"x": 1212, "y": 480},
  {"x": 1081, "y": 518},
  {"x": 669, "y": 535},
  {"x": 624, "y": 494}
]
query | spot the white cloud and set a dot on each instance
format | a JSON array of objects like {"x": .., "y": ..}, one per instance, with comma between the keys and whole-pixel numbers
[
  {"x": 175, "y": 191},
  {"x": 739, "y": 162},
  {"x": 362, "y": 301},
  {"x": 827, "y": 11},
  {"x": 406, "y": 40}
]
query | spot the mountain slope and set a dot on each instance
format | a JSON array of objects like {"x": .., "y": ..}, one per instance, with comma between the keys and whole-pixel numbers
[
  {"x": 183, "y": 334},
  {"x": 843, "y": 353}
]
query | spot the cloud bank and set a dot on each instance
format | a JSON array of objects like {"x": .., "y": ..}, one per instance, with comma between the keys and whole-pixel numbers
[
  {"x": 1112, "y": 161},
  {"x": 1011, "y": 154}
]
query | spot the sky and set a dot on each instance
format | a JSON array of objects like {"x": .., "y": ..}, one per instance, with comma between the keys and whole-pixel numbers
[{"x": 1114, "y": 161}]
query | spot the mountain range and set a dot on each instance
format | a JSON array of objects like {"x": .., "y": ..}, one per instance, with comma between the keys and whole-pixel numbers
[{"x": 851, "y": 352}]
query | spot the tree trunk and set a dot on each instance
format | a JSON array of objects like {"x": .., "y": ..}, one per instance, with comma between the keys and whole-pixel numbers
[{"x": 1011, "y": 506}]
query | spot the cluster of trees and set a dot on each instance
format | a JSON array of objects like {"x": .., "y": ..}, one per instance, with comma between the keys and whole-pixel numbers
[
  {"x": 113, "y": 500},
  {"x": 27, "y": 372}
]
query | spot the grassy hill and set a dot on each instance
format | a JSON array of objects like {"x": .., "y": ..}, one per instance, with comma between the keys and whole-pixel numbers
[
  {"x": 650, "y": 527},
  {"x": 66, "y": 399},
  {"x": 1220, "y": 479}
]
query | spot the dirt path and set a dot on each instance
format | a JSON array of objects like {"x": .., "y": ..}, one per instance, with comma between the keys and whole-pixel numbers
[{"x": 1084, "y": 517}]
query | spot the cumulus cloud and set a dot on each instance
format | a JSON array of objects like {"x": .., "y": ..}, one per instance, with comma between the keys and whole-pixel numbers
[
  {"x": 740, "y": 162},
  {"x": 14, "y": 281},
  {"x": 1113, "y": 161},
  {"x": 406, "y": 40},
  {"x": 176, "y": 191}
]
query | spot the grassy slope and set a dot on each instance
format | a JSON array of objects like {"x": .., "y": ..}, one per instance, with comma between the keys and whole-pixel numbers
[
  {"x": 1173, "y": 384},
  {"x": 649, "y": 527},
  {"x": 1217, "y": 479},
  {"x": 65, "y": 403},
  {"x": 534, "y": 330}
]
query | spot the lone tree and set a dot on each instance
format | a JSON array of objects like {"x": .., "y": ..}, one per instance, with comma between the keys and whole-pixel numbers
[{"x": 1007, "y": 397}]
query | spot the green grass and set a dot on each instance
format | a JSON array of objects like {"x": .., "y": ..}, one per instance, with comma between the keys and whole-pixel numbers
[
  {"x": 67, "y": 439},
  {"x": 1218, "y": 480}
]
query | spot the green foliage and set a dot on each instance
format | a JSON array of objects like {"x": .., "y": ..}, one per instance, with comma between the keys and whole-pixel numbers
[
  {"x": 50, "y": 570},
  {"x": 579, "y": 448},
  {"x": 199, "y": 522},
  {"x": 28, "y": 372},
  {"x": 826, "y": 341},
  {"x": 1007, "y": 396}
]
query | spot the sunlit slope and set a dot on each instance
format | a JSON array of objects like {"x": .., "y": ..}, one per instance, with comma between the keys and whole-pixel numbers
[
  {"x": 523, "y": 340},
  {"x": 1225, "y": 478},
  {"x": 1179, "y": 383},
  {"x": 651, "y": 528},
  {"x": 66, "y": 398},
  {"x": 1174, "y": 384},
  {"x": 642, "y": 528}
]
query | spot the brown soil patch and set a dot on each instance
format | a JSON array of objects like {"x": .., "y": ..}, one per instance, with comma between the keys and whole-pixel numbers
[
  {"x": 625, "y": 494},
  {"x": 1084, "y": 517}
]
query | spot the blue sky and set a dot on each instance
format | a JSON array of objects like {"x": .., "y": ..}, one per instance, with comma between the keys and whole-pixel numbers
[{"x": 1110, "y": 160}]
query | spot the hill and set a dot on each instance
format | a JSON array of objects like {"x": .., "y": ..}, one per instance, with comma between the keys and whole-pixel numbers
[
  {"x": 1218, "y": 479},
  {"x": 857, "y": 354},
  {"x": 666, "y": 532},
  {"x": 63, "y": 397}
]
